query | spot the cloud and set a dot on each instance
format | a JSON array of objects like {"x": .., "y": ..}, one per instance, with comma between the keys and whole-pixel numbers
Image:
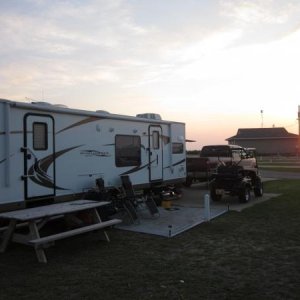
[
  {"x": 233, "y": 80},
  {"x": 259, "y": 11},
  {"x": 167, "y": 55},
  {"x": 86, "y": 25},
  {"x": 61, "y": 43},
  {"x": 104, "y": 40}
]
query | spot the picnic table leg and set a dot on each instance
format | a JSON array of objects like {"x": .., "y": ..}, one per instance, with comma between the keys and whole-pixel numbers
[
  {"x": 8, "y": 235},
  {"x": 34, "y": 232},
  {"x": 97, "y": 219}
]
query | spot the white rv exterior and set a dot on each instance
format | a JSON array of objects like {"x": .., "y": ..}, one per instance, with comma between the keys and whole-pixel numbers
[{"x": 50, "y": 151}]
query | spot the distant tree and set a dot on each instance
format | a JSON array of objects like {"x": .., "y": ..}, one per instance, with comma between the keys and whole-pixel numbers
[{"x": 195, "y": 152}]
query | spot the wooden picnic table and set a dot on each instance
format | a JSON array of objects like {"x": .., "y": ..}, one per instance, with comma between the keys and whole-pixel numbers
[{"x": 35, "y": 218}]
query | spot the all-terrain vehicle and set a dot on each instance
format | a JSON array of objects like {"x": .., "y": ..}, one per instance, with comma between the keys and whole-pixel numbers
[{"x": 237, "y": 178}]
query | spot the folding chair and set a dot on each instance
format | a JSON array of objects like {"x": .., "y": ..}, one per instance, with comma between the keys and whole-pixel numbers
[
  {"x": 119, "y": 204},
  {"x": 138, "y": 199}
]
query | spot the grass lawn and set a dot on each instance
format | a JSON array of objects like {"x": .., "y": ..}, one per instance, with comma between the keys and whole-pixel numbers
[
  {"x": 280, "y": 168},
  {"x": 254, "y": 254},
  {"x": 280, "y": 164}
]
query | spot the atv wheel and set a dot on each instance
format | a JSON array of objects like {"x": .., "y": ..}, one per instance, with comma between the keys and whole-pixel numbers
[
  {"x": 245, "y": 194},
  {"x": 258, "y": 189},
  {"x": 213, "y": 195}
]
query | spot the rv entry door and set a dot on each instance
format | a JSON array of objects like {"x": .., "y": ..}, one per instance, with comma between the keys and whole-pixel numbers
[
  {"x": 155, "y": 153},
  {"x": 39, "y": 158}
]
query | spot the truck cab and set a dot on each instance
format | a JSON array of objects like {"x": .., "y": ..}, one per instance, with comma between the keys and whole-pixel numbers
[
  {"x": 203, "y": 166},
  {"x": 229, "y": 154}
]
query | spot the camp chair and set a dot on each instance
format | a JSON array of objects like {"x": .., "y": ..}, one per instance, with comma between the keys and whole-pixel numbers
[
  {"x": 138, "y": 200},
  {"x": 121, "y": 205}
]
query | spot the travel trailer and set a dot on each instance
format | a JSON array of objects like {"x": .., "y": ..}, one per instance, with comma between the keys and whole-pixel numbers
[{"x": 49, "y": 151}]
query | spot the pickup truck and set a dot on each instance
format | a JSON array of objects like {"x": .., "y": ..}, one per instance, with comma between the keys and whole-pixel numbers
[{"x": 202, "y": 167}]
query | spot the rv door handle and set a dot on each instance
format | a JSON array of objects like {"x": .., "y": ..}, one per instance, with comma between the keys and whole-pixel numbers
[
  {"x": 28, "y": 156},
  {"x": 157, "y": 158}
]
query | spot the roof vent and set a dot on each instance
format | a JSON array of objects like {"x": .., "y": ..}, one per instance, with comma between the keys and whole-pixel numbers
[
  {"x": 42, "y": 103},
  {"x": 60, "y": 105},
  {"x": 102, "y": 112},
  {"x": 151, "y": 116}
]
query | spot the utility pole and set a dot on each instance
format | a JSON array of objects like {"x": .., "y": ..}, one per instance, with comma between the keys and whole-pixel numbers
[
  {"x": 298, "y": 120},
  {"x": 298, "y": 145}
]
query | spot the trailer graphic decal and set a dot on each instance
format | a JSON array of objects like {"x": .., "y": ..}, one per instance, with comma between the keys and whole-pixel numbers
[
  {"x": 11, "y": 132},
  {"x": 38, "y": 171},
  {"x": 82, "y": 122},
  {"x": 176, "y": 164},
  {"x": 136, "y": 169},
  {"x": 89, "y": 153},
  {"x": 4, "y": 159}
]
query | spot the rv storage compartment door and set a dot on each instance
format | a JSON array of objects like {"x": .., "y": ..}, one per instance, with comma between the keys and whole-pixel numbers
[
  {"x": 39, "y": 158},
  {"x": 155, "y": 153}
]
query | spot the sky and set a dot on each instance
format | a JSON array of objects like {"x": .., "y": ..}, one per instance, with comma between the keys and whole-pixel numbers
[{"x": 216, "y": 65}]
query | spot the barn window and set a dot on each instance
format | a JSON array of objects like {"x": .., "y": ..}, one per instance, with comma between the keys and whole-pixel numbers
[
  {"x": 128, "y": 150},
  {"x": 40, "y": 136}
]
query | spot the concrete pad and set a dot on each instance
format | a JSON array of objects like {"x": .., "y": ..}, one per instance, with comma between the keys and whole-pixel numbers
[
  {"x": 187, "y": 212},
  {"x": 171, "y": 221}
]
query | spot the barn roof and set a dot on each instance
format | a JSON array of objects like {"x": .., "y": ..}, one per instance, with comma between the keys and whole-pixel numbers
[{"x": 262, "y": 133}]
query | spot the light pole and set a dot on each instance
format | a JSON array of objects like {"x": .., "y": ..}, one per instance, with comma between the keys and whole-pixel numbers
[{"x": 298, "y": 145}]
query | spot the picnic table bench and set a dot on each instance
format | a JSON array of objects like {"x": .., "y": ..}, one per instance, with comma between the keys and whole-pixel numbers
[{"x": 35, "y": 218}]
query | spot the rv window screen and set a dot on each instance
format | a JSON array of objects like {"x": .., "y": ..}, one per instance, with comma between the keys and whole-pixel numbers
[
  {"x": 128, "y": 150},
  {"x": 40, "y": 136},
  {"x": 155, "y": 140},
  {"x": 177, "y": 148}
]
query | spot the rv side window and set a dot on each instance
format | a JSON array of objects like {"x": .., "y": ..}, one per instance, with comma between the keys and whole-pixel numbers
[
  {"x": 128, "y": 150},
  {"x": 177, "y": 148},
  {"x": 155, "y": 140},
  {"x": 40, "y": 136}
]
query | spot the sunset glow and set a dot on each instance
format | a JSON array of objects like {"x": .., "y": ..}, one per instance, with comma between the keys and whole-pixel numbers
[{"x": 214, "y": 65}]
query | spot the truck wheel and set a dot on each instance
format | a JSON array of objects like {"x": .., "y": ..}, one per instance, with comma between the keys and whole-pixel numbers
[
  {"x": 258, "y": 188},
  {"x": 245, "y": 194},
  {"x": 213, "y": 195}
]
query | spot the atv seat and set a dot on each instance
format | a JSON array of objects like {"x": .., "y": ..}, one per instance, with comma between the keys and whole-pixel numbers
[{"x": 231, "y": 171}]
